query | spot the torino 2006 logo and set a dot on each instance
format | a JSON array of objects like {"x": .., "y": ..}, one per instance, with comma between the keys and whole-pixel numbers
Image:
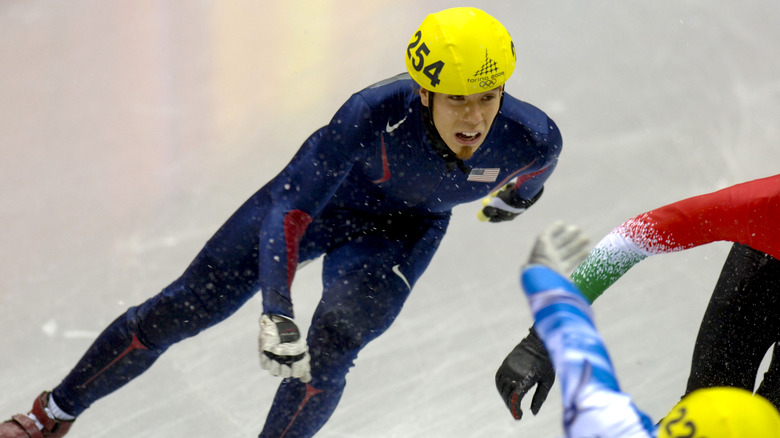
[
  {"x": 487, "y": 81},
  {"x": 487, "y": 75}
]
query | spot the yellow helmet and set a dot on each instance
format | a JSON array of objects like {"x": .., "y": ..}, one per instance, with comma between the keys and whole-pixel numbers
[
  {"x": 460, "y": 51},
  {"x": 721, "y": 412}
]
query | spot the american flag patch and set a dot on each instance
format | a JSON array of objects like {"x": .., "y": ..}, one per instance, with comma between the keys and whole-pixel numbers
[{"x": 483, "y": 175}]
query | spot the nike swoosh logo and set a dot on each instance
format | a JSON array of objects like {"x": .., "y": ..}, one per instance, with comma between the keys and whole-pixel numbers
[
  {"x": 397, "y": 271},
  {"x": 390, "y": 128}
]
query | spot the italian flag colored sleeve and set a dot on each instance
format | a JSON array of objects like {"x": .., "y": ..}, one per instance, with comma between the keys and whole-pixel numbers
[{"x": 747, "y": 213}]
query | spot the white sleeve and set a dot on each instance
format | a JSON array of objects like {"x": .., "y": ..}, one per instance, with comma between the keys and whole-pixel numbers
[{"x": 593, "y": 404}]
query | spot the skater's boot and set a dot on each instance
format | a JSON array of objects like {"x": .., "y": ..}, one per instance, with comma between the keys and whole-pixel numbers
[{"x": 22, "y": 426}]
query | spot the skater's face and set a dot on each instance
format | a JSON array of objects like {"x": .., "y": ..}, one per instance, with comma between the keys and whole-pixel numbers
[{"x": 463, "y": 121}]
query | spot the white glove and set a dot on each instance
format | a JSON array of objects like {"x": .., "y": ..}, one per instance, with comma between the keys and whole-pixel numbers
[
  {"x": 560, "y": 247},
  {"x": 282, "y": 349}
]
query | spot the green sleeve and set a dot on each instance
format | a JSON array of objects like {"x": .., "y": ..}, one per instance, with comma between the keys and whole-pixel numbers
[{"x": 603, "y": 266}]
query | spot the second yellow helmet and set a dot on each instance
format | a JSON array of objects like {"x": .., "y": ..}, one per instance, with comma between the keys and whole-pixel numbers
[{"x": 721, "y": 412}]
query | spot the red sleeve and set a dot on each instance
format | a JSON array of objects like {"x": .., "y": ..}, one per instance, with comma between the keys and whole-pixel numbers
[{"x": 748, "y": 213}]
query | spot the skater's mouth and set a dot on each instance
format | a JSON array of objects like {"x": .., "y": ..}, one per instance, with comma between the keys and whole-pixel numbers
[{"x": 468, "y": 138}]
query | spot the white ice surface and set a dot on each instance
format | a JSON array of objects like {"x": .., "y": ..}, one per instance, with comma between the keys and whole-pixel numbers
[{"x": 130, "y": 130}]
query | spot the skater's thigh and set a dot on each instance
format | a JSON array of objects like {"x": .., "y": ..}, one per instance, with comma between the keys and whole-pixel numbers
[{"x": 364, "y": 289}]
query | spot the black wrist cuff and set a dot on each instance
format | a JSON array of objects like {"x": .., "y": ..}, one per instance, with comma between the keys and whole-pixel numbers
[{"x": 509, "y": 195}]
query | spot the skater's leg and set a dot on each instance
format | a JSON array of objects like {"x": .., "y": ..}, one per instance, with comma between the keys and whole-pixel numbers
[
  {"x": 220, "y": 279},
  {"x": 770, "y": 385},
  {"x": 366, "y": 283},
  {"x": 134, "y": 341},
  {"x": 740, "y": 323}
]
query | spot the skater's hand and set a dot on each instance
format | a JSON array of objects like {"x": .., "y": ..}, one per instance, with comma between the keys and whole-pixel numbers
[
  {"x": 282, "y": 349},
  {"x": 526, "y": 366},
  {"x": 504, "y": 205},
  {"x": 560, "y": 247}
]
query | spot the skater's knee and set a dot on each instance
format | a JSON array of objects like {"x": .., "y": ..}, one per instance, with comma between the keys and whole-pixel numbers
[
  {"x": 334, "y": 343},
  {"x": 162, "y": 321},
  {"x": 335, "y": 330}
]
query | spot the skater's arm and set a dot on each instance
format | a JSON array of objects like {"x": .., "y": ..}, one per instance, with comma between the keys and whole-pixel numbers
[
  {"x": 300, "y": 192},
  {"x": 745, "y": 213}
]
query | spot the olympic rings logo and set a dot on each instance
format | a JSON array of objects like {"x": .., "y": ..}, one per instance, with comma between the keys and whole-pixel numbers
[{"x": 485, "y": 83}]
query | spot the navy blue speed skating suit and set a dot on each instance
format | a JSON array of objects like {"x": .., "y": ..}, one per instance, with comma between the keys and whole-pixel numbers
[{"x": 372, "y": 193}]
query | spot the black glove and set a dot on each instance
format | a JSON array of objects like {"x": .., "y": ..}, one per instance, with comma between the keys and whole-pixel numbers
[
  {"x": 527, "y": 365},
  {"x": 505, "y": 205}
]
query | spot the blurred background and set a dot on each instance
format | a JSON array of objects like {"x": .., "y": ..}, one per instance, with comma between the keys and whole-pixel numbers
[{"x": 130, "y": 130}]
